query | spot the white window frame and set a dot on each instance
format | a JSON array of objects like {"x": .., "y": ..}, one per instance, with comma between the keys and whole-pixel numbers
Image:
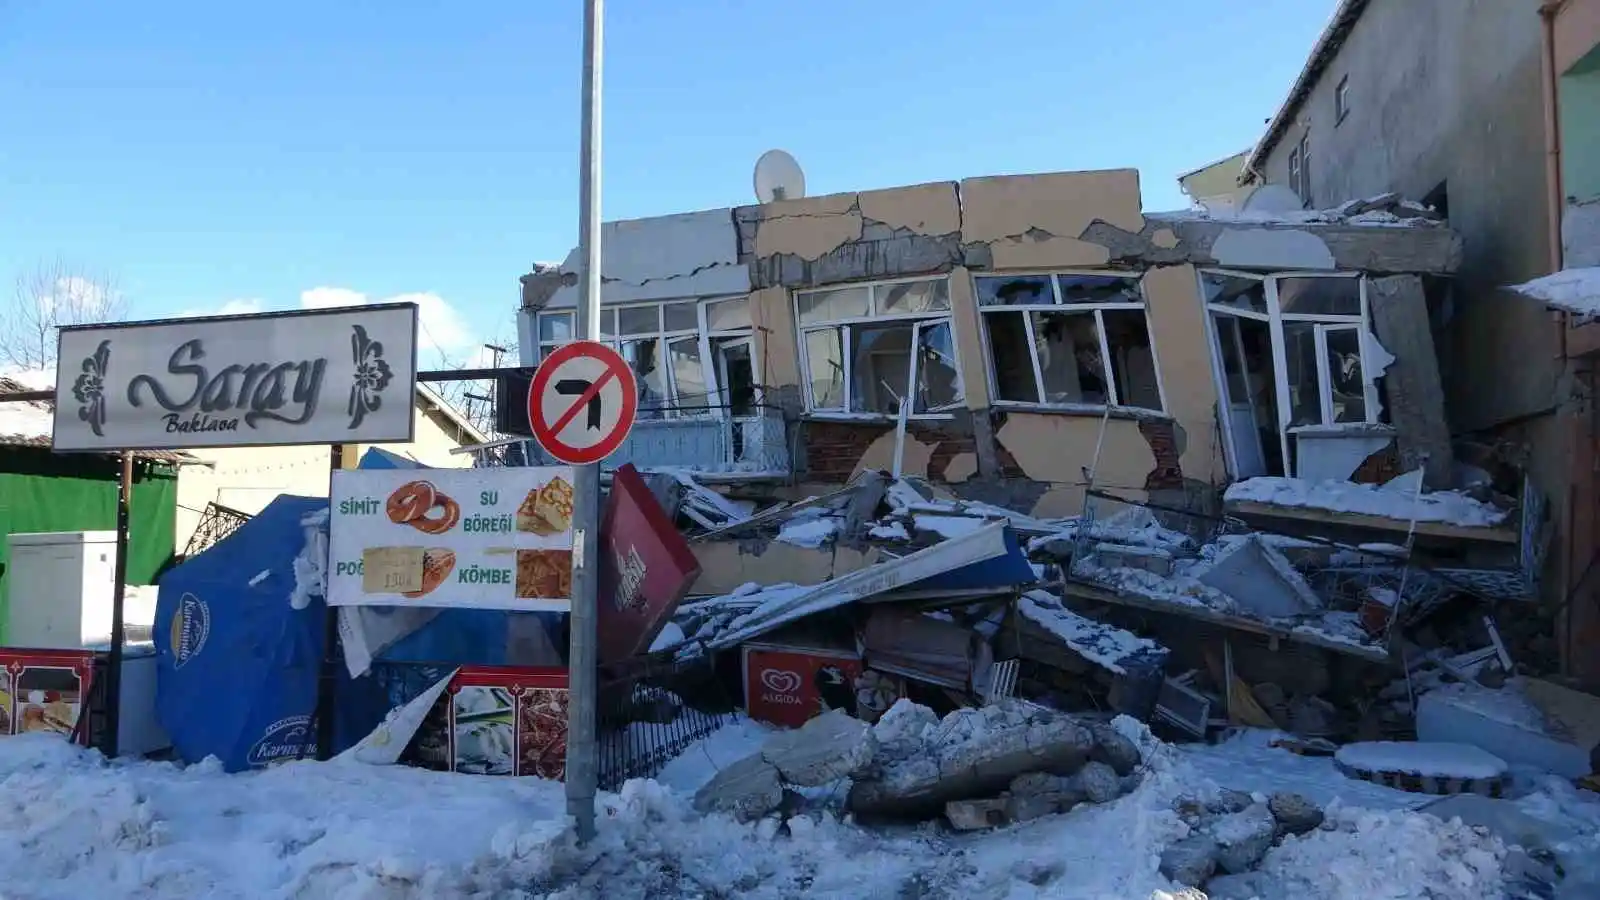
[
  {"x": 610, "y": 316},
  {"x": 1275, "y": 318},
  {"x": 1056, "y": 305},
  {"x": 847, "y": 345},
  {"x": 1341, "y": 100}
]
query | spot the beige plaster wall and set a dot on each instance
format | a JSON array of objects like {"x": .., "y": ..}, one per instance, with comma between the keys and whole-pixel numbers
[
  {"x": 777, "y": 342},
  {"x": 970, "y": 350},
  {"x": 1033, "y": 221},
  {"x": 1183, "y": 359},
  {"x": 813, "y": 226},
  {"x": 1055, "y": 448},
  {"x": 1577, "y": 30}
]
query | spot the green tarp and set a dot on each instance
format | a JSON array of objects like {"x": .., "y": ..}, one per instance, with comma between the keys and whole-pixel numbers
[{"x": 40, "y": 491}]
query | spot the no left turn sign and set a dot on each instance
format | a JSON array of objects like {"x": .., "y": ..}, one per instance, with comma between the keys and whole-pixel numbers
[{"x": 582, "y": 402}]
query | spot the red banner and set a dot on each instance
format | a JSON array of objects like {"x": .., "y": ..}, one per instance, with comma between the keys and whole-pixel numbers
[{"x": 645, "y": 568}]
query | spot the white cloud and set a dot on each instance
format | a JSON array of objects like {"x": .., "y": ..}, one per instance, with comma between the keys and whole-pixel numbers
[
  {"x": 241, "y": 307},
  {"x": 443, "y": 333}
]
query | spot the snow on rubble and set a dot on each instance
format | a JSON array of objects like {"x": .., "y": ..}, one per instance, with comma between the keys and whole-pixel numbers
[
  {"x": 1576, "y": 291},
  {"x": 73, "y": 825},
  {"x": 1395, "y": 500}
]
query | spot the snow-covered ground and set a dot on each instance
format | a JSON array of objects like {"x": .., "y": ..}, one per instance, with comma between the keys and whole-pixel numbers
[{"x": 72, "y": 825}]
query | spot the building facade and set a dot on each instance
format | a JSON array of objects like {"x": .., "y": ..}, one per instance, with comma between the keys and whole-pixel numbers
[
  {"x": 1486, "y": 111},
  {"x": 1036, "y": 334}
]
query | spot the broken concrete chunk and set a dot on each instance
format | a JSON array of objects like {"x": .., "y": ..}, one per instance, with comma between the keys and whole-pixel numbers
[
  {"x": 1247, "y": 886},
  {"x": 1260, "y": 579},
  {"x": 746, "y": 790},
  {"x": 1027, "y": 807},
  {"x": 830, "y": 747},
  {"x": 1100, "y": 782},
  {"x": 1114, "y": 749},
  {"x": 990, "y": 761},
  {"x": 976, "y": 815},
  {"x": 1243, "y": 838},
  {"x": 1045, "y": 783},
  {"x": 1190, "y": 861},
  {"x": 901, "y": 732},
  {"x": 1294, "y": 813},
  {"x": 1155, "y": 560},
  {"x": 1230, "y": 801}
]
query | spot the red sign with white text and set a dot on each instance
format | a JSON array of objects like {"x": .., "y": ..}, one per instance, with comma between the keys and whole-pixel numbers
[
  {"x": 789, "y": 686},
  {"x": 645, "y": 568}
]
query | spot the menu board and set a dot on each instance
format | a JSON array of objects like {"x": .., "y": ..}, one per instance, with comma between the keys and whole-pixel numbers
[
  {"x": 494, "y": 538},
  {"x": 44, "y": 691}
]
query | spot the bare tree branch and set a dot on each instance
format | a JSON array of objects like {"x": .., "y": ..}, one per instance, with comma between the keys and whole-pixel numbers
[{"x": 51, "y": 295}]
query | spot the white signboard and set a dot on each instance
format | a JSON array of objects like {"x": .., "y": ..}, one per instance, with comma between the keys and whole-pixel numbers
[
  {"x": 320, "y": 377},
  {"x": 497, "y": 538}
]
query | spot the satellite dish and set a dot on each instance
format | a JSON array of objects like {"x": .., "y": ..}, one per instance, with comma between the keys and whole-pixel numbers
[
  {"x": 778, "y": 177},
  {"x": 1273, "y": 198}
]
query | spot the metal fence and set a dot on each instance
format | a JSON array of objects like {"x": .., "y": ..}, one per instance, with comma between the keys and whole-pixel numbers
[{"x": 651, "y": 709}]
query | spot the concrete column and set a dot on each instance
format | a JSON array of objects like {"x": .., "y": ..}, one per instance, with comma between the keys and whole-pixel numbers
[{"x": 1416, "y": 395}]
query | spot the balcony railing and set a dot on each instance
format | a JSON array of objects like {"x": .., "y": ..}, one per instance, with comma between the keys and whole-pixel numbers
[{"x": 749, "y": 439}]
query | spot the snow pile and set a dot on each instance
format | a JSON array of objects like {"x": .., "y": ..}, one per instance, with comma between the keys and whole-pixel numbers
[
  {"x": 1437, "y": 760},
  {"x": 1576, "y": 291},
  {"x": 1391, "y": 502},
  {"x": 1104, "y": 645},
  {"x": 28, "y": 420},
  {"x": 809, "y": 531},
  {"x": 72, "y": 825},
  {"x": 1387, "y": 855}
]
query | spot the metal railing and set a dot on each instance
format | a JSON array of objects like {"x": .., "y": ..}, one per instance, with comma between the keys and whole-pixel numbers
[{"x": 696, "y": 433}]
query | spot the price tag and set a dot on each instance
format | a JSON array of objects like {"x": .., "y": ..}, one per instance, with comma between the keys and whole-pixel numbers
[{"x": 391, "y": 570}]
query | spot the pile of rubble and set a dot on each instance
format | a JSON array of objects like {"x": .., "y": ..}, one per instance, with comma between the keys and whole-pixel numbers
[
  {"x": 1009, "y": 762},
  {"x": 1228, "y": 836}
]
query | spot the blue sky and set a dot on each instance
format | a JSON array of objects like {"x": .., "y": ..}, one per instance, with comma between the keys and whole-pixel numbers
[{"x": 218, "y": 155}]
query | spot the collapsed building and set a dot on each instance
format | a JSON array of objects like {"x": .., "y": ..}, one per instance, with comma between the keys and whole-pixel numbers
[{"x": 1013, "y": 436}]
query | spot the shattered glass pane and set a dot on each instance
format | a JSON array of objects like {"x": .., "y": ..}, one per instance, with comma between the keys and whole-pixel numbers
[
  {"x": 1013, "y": 361},
  {"x": 681, "y": 317},
  {"x": 880, "y": 367},
  {"x": 825, "y": 361},
  {"x": 644, "y": 358},
  {"x": 1344, "y": 375},
  {"x": 938, "y": 376},
  {"x": 1235, "y": 291},
  {"x": 833, "y": 306},
  {"x": 1098, "y": 289},
  {"x": 1300, "y": 354},
  {"x": 913, "y": 297},
  {"x": 555, "y": 326},
  {"x": 1133, "y": 362},
  {"x": 1320, "y": 296},
  {"x": 1015, "y": 290},
  {"x": 688, "y": 373},
  {"x": 728, "y": 315},
  {"x": 640, "y": 319},
  {"x": 1068, "y": 345}
]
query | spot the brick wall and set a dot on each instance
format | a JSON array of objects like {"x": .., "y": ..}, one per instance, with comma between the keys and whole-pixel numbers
[
  {"x": 1163, "y": 439},
  {"x": 832, "y": 449}
]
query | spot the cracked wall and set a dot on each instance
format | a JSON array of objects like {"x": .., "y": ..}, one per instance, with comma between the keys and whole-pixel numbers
[{"x": 661, "y": 258}]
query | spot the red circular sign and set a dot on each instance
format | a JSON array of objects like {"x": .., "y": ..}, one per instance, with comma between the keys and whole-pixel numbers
[{"x": 582, "y": 402}]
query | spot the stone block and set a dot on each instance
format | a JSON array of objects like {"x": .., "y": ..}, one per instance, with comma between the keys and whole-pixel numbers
[
  {"x": 1190, "y": 861},
  {"x": 1100, "y": 782},
  {"x": 976, "y": 815},
  {"x": 1113, "y": 748},
  {"x": 746, "y": 790},
  {"x": 827, "y": 748},
  {"x": 1243, "y": 838},
  {"x": 1294, "y": 813}
]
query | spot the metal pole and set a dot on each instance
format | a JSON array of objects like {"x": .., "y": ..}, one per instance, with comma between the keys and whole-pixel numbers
[
  {"x": 328, "y": 672},
  {"x": 582, "y": 666},
  {"x": 119, "y": 590}
]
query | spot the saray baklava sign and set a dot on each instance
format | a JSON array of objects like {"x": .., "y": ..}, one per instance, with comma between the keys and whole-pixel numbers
[{"x": 317, "y": 377}]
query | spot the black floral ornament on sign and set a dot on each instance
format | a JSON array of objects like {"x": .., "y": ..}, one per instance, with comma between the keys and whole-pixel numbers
[
  {"x": 372, "y": 376},
  {"x": 89, "y": 389}
]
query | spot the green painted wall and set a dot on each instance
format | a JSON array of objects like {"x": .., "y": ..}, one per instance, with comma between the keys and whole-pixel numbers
[
  {"x": 1580, "y": 128},
  {"x": 40, "y": 491}
]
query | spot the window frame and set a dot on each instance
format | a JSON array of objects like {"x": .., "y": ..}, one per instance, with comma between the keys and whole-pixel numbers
[
  {"x": 1322, "y": 323},
  {"x": 1058, "y": 305},
  {"x": 1341, "y": 100},
  {"x": 847, "y": 327},
  {"x": 716, "y": 401},
  {"x": 1304, "y": 189}
]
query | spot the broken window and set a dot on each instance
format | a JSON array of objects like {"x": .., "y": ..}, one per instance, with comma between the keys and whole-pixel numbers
[
  {"x": 1313, "y": 365},
  {"x": 867, "y": 348},
  {"x": 1069, "y": 339},
  {"x": 689, "y": 357}
]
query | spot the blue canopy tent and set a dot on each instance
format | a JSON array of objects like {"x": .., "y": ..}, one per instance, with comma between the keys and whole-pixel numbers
[{"x": 240, "y": 636}]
